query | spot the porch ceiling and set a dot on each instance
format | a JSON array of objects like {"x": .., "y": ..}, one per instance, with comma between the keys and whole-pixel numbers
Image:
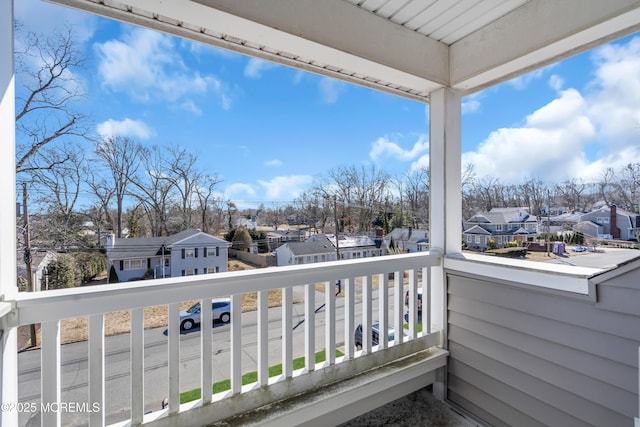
[{"x": 406, "y": 47}]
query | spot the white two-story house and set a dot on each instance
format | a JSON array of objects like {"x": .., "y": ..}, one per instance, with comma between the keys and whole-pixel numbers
[{"x": 187, "y": 253}]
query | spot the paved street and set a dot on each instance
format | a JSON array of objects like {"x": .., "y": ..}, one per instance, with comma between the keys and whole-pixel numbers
[{"x": 74, "y": 361}]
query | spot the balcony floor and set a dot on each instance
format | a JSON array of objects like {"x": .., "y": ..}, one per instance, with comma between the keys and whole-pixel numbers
[{"x": 419, "y": 408}]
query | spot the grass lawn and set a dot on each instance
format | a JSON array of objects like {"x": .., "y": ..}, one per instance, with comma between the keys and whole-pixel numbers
[{"x": 251, "y": 377}]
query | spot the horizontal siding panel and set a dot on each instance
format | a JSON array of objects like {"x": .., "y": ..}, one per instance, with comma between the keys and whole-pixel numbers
[
  {"x": 585, "y": 387},
  {"x": 605, "y": 346},
  {"x": 497, "y": 408},
  {"x": 547, "y": 305},
  {"x": 467, "y": 361},
  {"x": 619, "y": 300},
  {"x": 479, "y": 413}
]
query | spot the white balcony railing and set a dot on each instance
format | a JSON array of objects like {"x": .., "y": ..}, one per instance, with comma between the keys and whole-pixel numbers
[{"x": 393, "y": 276}]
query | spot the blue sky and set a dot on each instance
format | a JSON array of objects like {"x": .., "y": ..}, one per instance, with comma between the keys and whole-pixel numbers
[{"x": 267, "y": 130}]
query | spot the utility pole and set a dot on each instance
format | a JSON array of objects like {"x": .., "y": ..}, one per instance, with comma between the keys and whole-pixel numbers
[
  {"x": 27, "y": 256},
  {"x": 335, "y": 215}
]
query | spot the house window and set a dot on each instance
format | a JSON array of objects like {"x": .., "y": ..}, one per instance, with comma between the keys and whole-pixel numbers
[
  {"x": 135, "y": 264},
  {"x": 189, "y": 253},
  {"x": 469, "y": 238},
  {"x": 498, "y": 227},
  {"x": 189, "y": 272},
  {"x": 478, "y": 240},
  {"x": 167, "y": 262}
]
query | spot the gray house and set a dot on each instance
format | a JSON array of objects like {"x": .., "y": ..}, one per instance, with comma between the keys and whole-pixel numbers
[
  {"x": 408, "y": 239},
  {"x": 503, "y": 225},
  {"x": 187, "y": 253},
  {"x": 292, "y": 253},
  {"x": 610, "y": 223}
]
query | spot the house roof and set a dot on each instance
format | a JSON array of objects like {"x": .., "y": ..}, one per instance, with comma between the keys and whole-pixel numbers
[
  {"x": 310, "y": 248},
  {"x": 503, "y": 216},
  {"x": 409, "y": 235},
  {"x": 147, "y": 247}
]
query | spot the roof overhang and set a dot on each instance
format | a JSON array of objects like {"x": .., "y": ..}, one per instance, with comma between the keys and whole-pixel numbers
[{"x": 405, "y": 47}]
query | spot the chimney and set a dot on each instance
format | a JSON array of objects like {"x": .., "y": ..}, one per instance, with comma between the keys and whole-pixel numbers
[{"x": 613, "y": 223}]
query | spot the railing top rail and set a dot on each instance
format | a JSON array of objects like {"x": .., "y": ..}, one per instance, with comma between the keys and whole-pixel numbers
[{"x": 65, "y": 303}]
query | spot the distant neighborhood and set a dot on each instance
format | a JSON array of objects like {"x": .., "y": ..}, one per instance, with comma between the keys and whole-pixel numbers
[{"x": 194, "y": 252}]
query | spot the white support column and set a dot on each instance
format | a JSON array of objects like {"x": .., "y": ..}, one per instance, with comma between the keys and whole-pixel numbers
[
  {"x": 445, "y": 151},
  {"x": 310, "y": 326},
  {"x": 8, "y": 288}
]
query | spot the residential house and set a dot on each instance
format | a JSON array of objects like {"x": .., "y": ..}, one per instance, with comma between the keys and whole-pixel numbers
[
  {"x": 189, "y": 252},
  {"x": 502, "y": 225},
  {"x": 610, "y": 223},
  {"x": 293, "y": 253},
  {"x": 278, "y": 237},
  {"x": 39, "y": 262},
  {"x": 407, "y": 239},
  {"x": 353, "y": 247}
]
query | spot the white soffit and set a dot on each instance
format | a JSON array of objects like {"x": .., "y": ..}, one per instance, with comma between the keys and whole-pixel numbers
[{"x": 405, "y": 47}]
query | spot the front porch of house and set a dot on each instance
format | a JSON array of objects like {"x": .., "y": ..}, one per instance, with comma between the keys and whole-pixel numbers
[{"x": 508, "y": 341}]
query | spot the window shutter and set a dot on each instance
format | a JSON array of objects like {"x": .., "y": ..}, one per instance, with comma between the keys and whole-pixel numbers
[
  {"x": 183, "y": 257},
  {"x": 121, "y": 265},
  {"x": 195, "y": 271},
  {"x": 148, "y": 262},
  {"x": 205, "y": 252},
  {"x": 196, "y": 252},
  {"x": 183, "y": 270},
  {"x": 217, "y": 250}
]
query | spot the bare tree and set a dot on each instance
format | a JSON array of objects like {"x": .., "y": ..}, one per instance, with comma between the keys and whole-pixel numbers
[
  {"x": 121, "y": 156},
  {"x": 534, "y": 192},
  {"x": 154, "y": 191},
  {"x": 416, "y": 191},
  {"x": 59, "y": 192},
  {"x": 183, "y": 173},
  {"x": 44, "y": 101},
  {"x": 205, "y": 193}
]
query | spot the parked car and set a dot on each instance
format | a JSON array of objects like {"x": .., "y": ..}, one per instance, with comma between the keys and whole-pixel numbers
[
  {"x": 580, "y": 249},
  {"x": 406, "y": 299},
  {"x": 221, "y": 311},
  {"x": 375, "y": 335}
]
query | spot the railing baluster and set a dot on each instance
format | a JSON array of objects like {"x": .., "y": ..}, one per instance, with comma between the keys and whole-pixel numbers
[
  {"x": 310, "y": 326},
  {"x": 50, "y": 362},
  {"x": 330, "y": 322},
  {"x": 349, "y": 326},
  {"x": 137, "y": 365},
  {"x": 383, "y": 309},
  {"x": 236, "y": 343},
  {"x": 206, "y": 323},
  {"x": 96, "y": 369},
  {"x": 366, "y": 314},
  {"x": 398, "y": 293},
  {"x": 413, "y": 304},
  {"x": 263, "y": 337},
  {"x": 174, "y": 358},
  {"x": 287, "y": 332},
  {"x": 426, "y": 301}
]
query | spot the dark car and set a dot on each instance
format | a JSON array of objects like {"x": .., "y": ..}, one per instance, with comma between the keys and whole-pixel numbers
[
  {"x": 375, "y": 335},
  {"x": 406, "y": 299}
]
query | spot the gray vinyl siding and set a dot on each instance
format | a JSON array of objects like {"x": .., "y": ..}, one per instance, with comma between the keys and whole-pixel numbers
[{"x": 526, "y": 356}]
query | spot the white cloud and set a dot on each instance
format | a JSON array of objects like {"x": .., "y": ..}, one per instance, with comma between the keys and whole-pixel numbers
[
  {"x": 255, "y": 67},
  {"x": 471, "y": 104},
  {"x": 126, "y": 127},
  {"x": 330, "y": 89},
  {"x": 273, "y": 163},
  {"x": 286, "y": 188},
  {"x": 384, "y": 148},
  {"x": 576, "y": 134},
  {"x": 522, "y": 82},
  {"x": 147, "y": 66},
  {"x": 239, "y": 191}
]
